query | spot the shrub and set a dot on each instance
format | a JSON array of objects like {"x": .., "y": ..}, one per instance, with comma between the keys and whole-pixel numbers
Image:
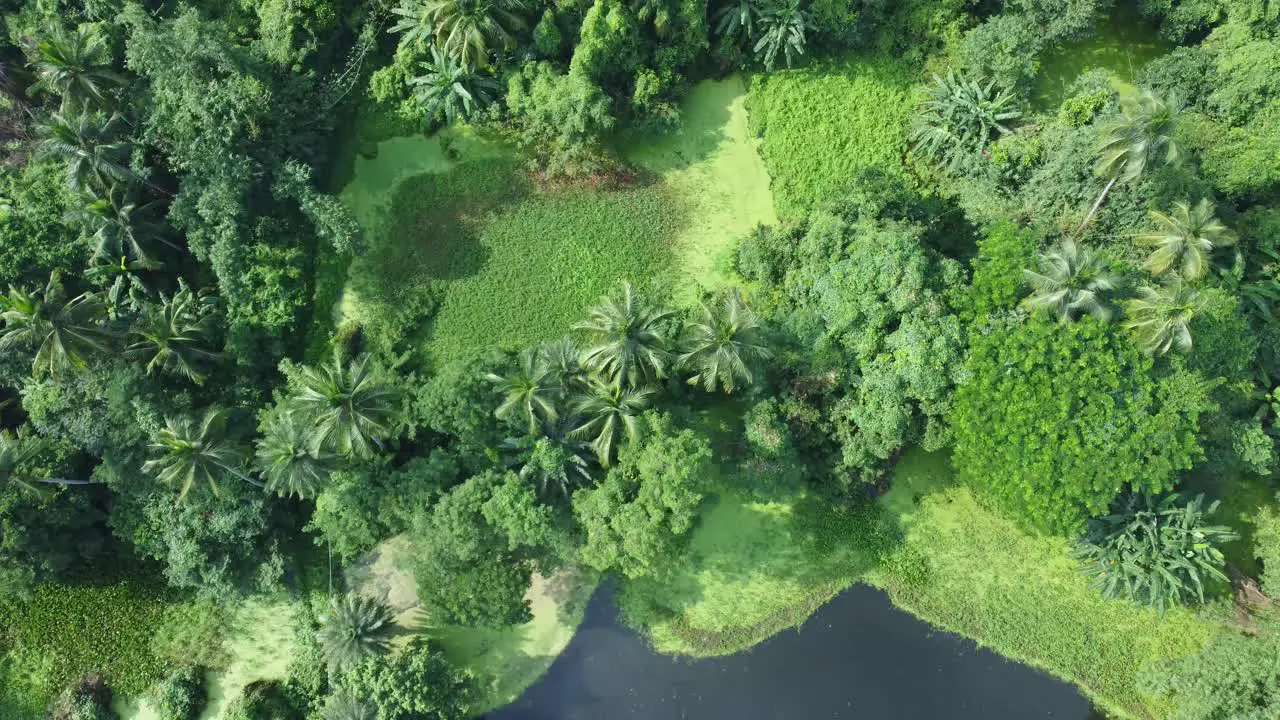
[
  {"x": 88, "y": 698},
  {"x": 822, "y": 124},
  {"x": 1236, "y": 676},
  {"x": 1055, "y": 421},
  {"x": 1003, "y": 254},
  {"x": 1155, "y": 551},
  {"x": 181, "y": 696},
  {"x": 415, "y": 683},
  {"x": 1266, "y": 548}
]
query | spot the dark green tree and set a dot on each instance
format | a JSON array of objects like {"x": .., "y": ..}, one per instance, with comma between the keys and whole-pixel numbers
[
  {"x": 628, "y": 339},
  {"x": 187, "y": 453},
  {"x": 529, "y": 392},
  {"x": 960, "y": 117},
  {"x": 174, "y": 336},
  {"x": 416, "y": 683},
  {"x": 288, "y": 460},
  {"x": 609, "y": 415},
  {"x": 77, "y": 65},
  {"x": 350, "y": 411},
  {"x": 470, "y": 31},
  {"x": 1072, "y": 282},
  {"x": 449, "y": 90},
  {"x": 89, "y": 144}
]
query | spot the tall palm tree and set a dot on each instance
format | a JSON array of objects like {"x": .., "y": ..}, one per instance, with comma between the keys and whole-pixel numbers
[
  {"x": 350, "y": 412},
  {"x": 97, "y": 160},
  {"x": 288, "y": 461},
  {"x": 721, "y": 345},
  {"x": 121, "y": 229},
  {"x": 628, "y": 339},
  {"x": 960, "y": 116},
  {"x": 530, "y": 391},
  {"x": 346, "y": 707},
  {"x": 187, "y": 453},
  {"x": 563, "y": 360},
  {"x": 77, "y": 64},
  {"x": 1072, "y": 280},
  {"x": 451, "y": 90},
  {"x": 1184, "y": 239},
  {"x": 15, "y": 452},
  {"x": 1160, "y": 318},
  {"x": 468, "y": 30},
  {"x": 608, "y": 414},
  {"x": 551, "y": 462},
  {"x": 174, "y": 335},
  {"x": 64, "y": 332},
  {"x": 1138, "y": 139},
  {"x": 354, "y": 628}
]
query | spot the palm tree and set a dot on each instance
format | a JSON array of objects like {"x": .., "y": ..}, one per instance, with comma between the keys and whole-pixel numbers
[
  {"x": 563, "y": 360},
  {"x": 736, "y": 21},
  {"x": 120, "y": 229},
  {"x": 1141, "y": 137},
  {"x": 187, "y": 453},
  {"x": 1072, "y": 280},
  {"x": 349, "y": 411},
  {"x": 609, "y": 413},
  {"x": 628, "y": 339},
  {"x": 355, "y": 628},
  {"x": 288, "y": 461},
  {"x": 64, "y": 332},
  {"x": 450, "y": 90},
  {"x": 173, "y": 336},
  {"x": 1184, "y": 239},
  {"x": 15, "y": 452},
  {"x": 530, "y": 392},
  {"x": 551, "y": 462},
  {"x": 783, "y": 25},
  {"x": 720, "y": 347},
  {"x": 346, "y": 707},
  {"x": 1160, "y": 318},
  {"x": 88, "y": 143},
  {"x": 78, "y": 65},
  {"x": 467, "y": 30},
  {"x": 960, "y": 116}
]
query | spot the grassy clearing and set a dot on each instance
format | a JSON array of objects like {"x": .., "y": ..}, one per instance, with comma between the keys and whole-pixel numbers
[
  {"x": 972, "y": 572},
  {"x": 824, "y": 122},
  {"x": 751, "y": 570},
  {"x": 748, "y": 574},
  {"x": 505, "y": 662},
  {"x": 714, "y": 166}
]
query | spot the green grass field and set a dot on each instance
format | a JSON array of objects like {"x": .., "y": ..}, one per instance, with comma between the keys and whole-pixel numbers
[
  {"x": 824, "y": 122},
  {"x": 459, "y": 233},
  {"x": 750, "y": 572}
]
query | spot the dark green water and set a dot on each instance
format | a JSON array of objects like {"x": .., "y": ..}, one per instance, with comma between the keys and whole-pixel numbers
[
  {"x": 858, "y": 658},
  {"x": 1122, "y": 44}
]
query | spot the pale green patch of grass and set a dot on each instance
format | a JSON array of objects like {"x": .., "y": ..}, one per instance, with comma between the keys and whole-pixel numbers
[
  {"x": 966, "y": 569},
  {"x": 505, "y": 662},
  {"x": 822, "y": 123},
  {"x": 751, "y": 570},
  {"x": 259, "y": 644},
  {"x": 713, "y": 164}
]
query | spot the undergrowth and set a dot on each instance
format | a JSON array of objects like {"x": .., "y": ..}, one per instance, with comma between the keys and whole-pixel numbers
[
  {"x": 62, "y": 632},
  {"x": 824, "y": 122}
]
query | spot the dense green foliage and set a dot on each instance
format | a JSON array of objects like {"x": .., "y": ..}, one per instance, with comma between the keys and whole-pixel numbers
[
  {"x": 1056, "y": 421},
  {"x": 510, "y": 346}
]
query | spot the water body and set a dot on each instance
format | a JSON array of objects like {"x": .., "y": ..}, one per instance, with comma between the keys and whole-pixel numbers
[{"x": 858, "y": 658}]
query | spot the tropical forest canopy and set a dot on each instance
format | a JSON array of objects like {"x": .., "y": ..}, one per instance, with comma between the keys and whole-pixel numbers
[{"x": 224, "y": 379}]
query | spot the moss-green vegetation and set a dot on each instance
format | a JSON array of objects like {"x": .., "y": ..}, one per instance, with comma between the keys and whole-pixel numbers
[
  {"x": 63, "y": 632},
  {"x": 504, "y": 661},
  {"x": 751, "y": 570},
  {"x": 1120, "y": 45},
  {"x": 824, "y": 122},
  {"x": 971, "y": 571},
  {"x": 712, "y": 165}
]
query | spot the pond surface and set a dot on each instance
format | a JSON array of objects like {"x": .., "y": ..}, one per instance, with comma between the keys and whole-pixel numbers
[{"x": 858, "y": 657}]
